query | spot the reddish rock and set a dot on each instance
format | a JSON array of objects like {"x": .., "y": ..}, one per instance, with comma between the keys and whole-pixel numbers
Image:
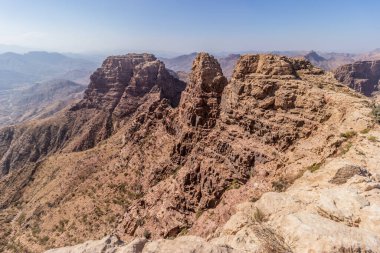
[{"x": 362, "y": 76}]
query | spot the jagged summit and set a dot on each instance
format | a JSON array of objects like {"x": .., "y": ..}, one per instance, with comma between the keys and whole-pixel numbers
[
  {"x": 200, "y": 103},
  {"x": 123, "y": 79},
  {"x": 272, "y": 65},
  {"x": 207, "y": 74}
]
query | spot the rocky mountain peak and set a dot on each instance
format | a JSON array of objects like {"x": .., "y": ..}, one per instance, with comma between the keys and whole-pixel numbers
[
  {"x": 272, "y": 65},
  {"x": 314, "y": 57},
  {"x": 123, "y": 80},
  {"x": 207, "y": 74},
  {"x": 203, "y": 95}
]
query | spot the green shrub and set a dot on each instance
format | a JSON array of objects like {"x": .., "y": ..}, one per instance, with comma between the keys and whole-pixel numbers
[
  {"x": 258, "y": 216},
  {"x": 199, "y": 213},
  {"x": 21, "y": 218},
  {"x": 280, "y": 185},
  {"x": 372, "y": 138},
  {"x": 235, "y": 184},
  {"x": 346, "y": 148},
  {"x": 147, "y": 234},
  {"x": 365, "y": 131},
  {"x": 348, "y": 135},
  {"x": 314, "y": 167},
  {"x": 376, "y": 113},
  {"x": 44, "y": 240}
]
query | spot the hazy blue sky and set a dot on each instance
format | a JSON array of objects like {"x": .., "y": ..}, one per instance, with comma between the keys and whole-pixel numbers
[{"x": 191, "y": 25}]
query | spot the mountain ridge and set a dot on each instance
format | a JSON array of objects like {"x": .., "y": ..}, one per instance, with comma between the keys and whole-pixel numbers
[{"x": 146, "y": 154}]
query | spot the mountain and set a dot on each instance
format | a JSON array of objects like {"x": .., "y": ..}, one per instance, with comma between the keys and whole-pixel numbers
[
  {"x": 145, "y": 154},
  {"x": 183, "y": 63},
  {"x": 313, "y": 57},
  {"x": 363, "y": 76},
  {"x": 180, "y": 63},
  {"x": 370, "y": 56},
  {"x": 23, "y": 69},
  {"x": 37, "y": 101}
]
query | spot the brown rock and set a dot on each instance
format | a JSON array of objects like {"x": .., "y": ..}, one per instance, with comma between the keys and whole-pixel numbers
[{"x": 362, "y": 76}]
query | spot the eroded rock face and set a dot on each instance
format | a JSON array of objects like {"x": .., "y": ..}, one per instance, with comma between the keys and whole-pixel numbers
[
  {"x": 264, "y": 96},
  {"x": 200, "y": 104},
  {"x": 116, "y": 90},
  {"x": 123, "y": 80},
  {"x": 269, "y": 105},
  {"x": 362, "y": 76}
]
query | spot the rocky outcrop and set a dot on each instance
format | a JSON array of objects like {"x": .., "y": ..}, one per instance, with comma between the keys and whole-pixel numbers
[
  {"x": 201, "y": 99},
  {"x": 116, "y": 90},
  {"x": 271, "y": 105},
  {"x": 362, "y": 76}
]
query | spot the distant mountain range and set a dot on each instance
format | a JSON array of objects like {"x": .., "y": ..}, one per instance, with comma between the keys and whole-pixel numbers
[
  {"x": 24, "y": 69},
  {"x": 325, "y": 60},
  {"x": 183, "y": 63},
  {"x": 37, "y": 101}
]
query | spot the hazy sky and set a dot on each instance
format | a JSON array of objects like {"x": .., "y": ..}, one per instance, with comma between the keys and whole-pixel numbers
[{"x": 191, "y": 25}]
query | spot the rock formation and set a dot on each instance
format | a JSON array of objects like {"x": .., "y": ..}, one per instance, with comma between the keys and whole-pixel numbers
[
  {"x": 362, "y": 76},
  {"x": 116, "y": 90},
  {"x": 332, "y": 208},
  {"x": 139, "y": 157}
]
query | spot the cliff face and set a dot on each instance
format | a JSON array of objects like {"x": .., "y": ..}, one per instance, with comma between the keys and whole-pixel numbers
[
  {"x": 362, "y": 76},
  {"x": 116, "y": 90},
  {"x": 164, "y": 162}
]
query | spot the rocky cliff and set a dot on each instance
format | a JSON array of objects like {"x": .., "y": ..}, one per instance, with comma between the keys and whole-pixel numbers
[
  {"x": 363, "y": 76},
  {"x": 116, "y": 90},
  {"x": 143, "y": 158}
]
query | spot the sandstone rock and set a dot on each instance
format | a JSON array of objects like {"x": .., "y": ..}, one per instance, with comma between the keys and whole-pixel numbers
[
  {"x": 116, "y": 90},
  {"x": 201, "y": 99},
  {"x": 106, "y": 245},
  {"x": 362, "y": 76}
]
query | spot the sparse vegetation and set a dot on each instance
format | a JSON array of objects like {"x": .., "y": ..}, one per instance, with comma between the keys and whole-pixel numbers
[
  {"x": 199, "y": 213},
  {"x": 235, "y": 184},
  {"x": 376, "y": 113},
  {"x": 254, "y": 199},
  {"x": 44, "y": 240},
  {"x": 372, "y": 138},
  {"x": 346, "y": 148},
  {"x": 21, "y": 219},
  {"x": 61, "y": 225},
  {"x": 184, "y": 231},
  {"x": 140, "y": 222},
  {"x": 365, "y": 131},
  {"x": 258, "y": 216},
  {"x": 314, "y": 167},
  {"x": 36, "y": 230},
  {"x": 147, "y": 234},
  {"x": 280, "y": 185},
  {"x": 348, "y": 134}
]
